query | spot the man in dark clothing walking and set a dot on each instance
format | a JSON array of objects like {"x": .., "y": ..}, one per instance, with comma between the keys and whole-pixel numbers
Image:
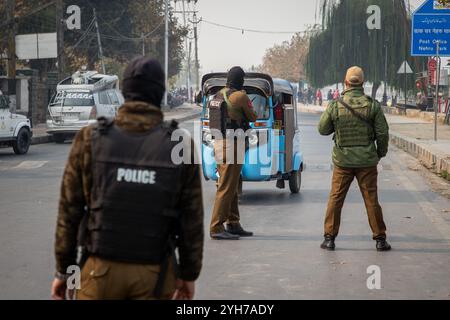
[
  {"x": 139, "y": 204},
  {"x": 225, "y": 221}
]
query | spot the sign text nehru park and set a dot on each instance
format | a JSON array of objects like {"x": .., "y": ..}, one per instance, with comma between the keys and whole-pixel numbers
[{"x": 430, "y": 26}]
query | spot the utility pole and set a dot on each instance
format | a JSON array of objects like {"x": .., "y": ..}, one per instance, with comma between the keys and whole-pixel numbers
[
  {"x": 166, "y": 61},
  {"x": 406, "y": 75},
  {"x": 60, "y": 26},
  {"x": 99, "y": 39},
  {"x": 188, "y": 71},
  {"x": 438, "y": 78},
  {"x": 143, "y": 44},
  {"x": 197, "y": 64},
  {"x": 10, "y": 6}
]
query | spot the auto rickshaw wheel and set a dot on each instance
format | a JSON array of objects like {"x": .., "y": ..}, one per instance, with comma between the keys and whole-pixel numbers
[{"x": 295, "y": 182}]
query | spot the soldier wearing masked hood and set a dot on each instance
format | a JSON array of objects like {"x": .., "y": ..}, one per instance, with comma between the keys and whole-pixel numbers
[
  {"x": 225, "y": 221},
  {"x": 139, "y": 206}
]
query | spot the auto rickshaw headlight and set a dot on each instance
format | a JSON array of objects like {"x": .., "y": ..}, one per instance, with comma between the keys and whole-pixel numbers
[
  {"x": 208, "y": 139},
  {"x": 253, "y": 139}
]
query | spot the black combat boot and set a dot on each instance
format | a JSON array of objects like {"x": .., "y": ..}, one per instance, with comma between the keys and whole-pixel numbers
[
  {"x": 328, "y": 243},
  {"x": 224, "y": 236},
  {"x": 383, "y": 245},
  {"x": 237, "y": 229}
]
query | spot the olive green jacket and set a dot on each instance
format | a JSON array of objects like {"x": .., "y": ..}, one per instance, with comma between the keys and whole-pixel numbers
[{"x": 361, "y": 156}]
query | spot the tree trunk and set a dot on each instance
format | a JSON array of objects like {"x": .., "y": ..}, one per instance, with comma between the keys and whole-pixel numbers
[{"x": 375, "y": 88}]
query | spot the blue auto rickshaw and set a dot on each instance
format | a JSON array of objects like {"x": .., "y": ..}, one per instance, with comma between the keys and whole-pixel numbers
[{"x": 273, "y": 149}]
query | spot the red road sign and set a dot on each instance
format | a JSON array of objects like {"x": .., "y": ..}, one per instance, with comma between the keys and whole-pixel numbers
[
  {"x": 432, "y": 71},
  {"x": 432, "y": 65}
]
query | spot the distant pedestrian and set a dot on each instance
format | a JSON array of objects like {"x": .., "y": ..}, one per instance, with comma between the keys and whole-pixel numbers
[
  {"x": 361, "y": 139},
  {"x": 300, "y": 95},
  {"x": 336, "y": 94},
  {"x": 330, "y": 95},
  {"x": 319, "y": 97}
]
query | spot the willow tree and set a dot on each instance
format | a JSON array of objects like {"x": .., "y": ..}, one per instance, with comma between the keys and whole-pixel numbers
[
  {"x": 346, "y": 40},
  {"x": 287, "y": 60}
]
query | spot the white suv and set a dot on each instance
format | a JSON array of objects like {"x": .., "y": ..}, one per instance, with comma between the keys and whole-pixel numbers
[{"x": 15, "y": 130}]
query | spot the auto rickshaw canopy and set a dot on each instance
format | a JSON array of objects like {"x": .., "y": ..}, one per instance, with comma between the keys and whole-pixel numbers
[
  {"x": 283, "y": 86},
  {"x": 213, "y": 82}
]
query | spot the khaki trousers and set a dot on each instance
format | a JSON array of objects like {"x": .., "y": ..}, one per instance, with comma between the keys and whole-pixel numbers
[
  {"x": 107, "y": 280},
  {"x": 226, "y": 209},
  {"x": 367, "y": 181}
]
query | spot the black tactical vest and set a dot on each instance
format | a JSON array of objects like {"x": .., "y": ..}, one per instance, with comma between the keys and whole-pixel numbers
[
  {"x": 219, "y": 118},
  {"x": 134, "y": 194}
]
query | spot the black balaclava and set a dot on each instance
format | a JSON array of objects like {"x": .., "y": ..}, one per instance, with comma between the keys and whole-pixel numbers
[
  {"x": 235, "y": 79},
  {"x": 144, "y": 80}
]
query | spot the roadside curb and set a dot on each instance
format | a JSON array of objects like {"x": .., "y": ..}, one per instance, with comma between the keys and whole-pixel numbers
[
  {"x": 41, "y": 140},
  {"x": 432, "y": 159},
  {"x": 49, "y": 139},
  {"x": 187, "y": 118},
  {"x": 413, "y": 113},
  {"x": 310, "y": 110}
]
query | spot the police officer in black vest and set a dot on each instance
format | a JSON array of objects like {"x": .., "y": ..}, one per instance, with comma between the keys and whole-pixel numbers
[{"x": 139, "y": 206}]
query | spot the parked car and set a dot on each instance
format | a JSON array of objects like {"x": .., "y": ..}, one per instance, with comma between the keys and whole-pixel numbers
[
  {"x": 15, "y": 129},
  {"x": 80, "y": 100}
]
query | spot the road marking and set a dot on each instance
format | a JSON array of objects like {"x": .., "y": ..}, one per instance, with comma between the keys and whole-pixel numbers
[{"x": 29, "y": 165}]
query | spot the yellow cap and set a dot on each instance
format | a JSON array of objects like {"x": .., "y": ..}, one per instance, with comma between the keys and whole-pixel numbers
[{"x": 355, "y": 76}]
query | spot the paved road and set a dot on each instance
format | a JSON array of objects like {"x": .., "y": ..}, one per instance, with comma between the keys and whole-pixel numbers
[{"x": 283, "y": 260}]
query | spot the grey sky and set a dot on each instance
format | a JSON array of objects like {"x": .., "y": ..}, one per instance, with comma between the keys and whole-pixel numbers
[{"x": 220, "y": 48}]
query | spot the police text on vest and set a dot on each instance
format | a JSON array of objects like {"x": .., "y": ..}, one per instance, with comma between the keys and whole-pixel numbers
[{"x": 136, "y": 176}]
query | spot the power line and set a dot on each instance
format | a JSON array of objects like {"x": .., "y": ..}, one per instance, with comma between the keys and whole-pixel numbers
[
  {"x": 32, "y": 12},
  {"x": 121, "y": 36},
  {"x": 251, "y": 30},
  {"x": 127, "y": 38},
  {"x": 85, "y": 34},
  {"x": 155, "y": 29}
]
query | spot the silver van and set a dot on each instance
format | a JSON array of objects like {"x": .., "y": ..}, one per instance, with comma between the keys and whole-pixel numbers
[{"x": 80, "y": 100}]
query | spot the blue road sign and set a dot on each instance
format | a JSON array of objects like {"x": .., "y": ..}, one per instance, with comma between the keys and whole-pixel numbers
[{"x": 431, "y": 23}]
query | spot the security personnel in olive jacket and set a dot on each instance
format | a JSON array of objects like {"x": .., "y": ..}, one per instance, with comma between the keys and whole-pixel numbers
[
  {"x": 361, "y": 136},
  {"x": 139, "y": 204},
  {"x": 225, "y": 221}
]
